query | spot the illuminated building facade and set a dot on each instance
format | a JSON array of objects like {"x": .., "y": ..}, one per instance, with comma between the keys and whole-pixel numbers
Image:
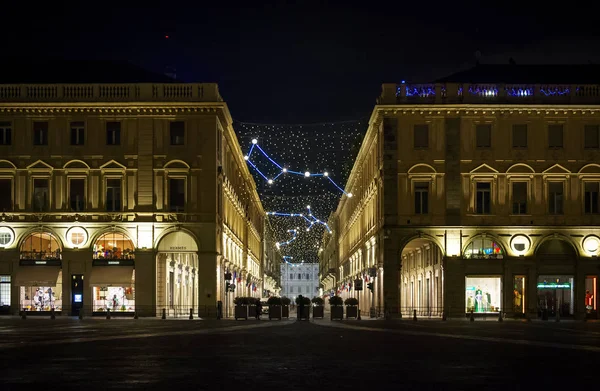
[
  {"x": 479, "y": 193},
  {"x": 299, "y": 279},
  {"x": 124, "y": 197}
]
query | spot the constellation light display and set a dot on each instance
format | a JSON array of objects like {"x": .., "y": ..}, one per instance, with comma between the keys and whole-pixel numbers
[
  {"x": 328, "y": 148},
  {"x": 295, "y": 235},
  {"x": 285, "y": 170}
]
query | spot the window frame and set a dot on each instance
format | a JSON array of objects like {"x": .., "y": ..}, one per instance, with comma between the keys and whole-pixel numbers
[
  {"x": 514, "y": 129},
  {"x": 476, "y": 194},
  {"x": 45, "y": 132},
  {"x": 584, "y": 182},
  {"x": 108, "y": 177},
  {"x": 11, "y": 178},
  {"x": 562, "y": 133},
  {"x": 81, "y": 128},
  {"x": 564, "y": 196},
  {"x": 6, "y": 127},
  {"x": 85, "y": 191},
  {"x": 528, "y": 193},
  {"x": 183, "y": 138},
  {"x": 585, "y": 128},
  {"x": 168, "y": 191},
  {"x": 415, "y": 184},
  {"x": 32, "y": 191},
  {"x": 428, "y": 131},
  {"x": 487, "y": 125},
  {"x": 120, "y": 131}
]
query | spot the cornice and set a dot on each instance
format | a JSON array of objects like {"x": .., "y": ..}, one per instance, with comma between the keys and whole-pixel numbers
[{"x": 116, "y": 108}]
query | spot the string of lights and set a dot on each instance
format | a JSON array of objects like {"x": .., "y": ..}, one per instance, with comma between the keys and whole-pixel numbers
[
  {"x": 323, "y": 147},
  {"x": 295, "y": 232},
  {"x": 285, "y": 170}
]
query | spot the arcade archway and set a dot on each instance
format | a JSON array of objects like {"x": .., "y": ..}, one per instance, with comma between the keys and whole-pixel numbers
[{"x": 177, "y": 274}]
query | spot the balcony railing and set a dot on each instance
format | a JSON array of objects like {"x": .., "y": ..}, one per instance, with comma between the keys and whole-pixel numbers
[
  {"x": 144, "y": 92},
  {"x": 497, "y": 93}
]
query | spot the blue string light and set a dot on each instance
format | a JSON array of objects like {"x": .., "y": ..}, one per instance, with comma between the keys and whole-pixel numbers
[
  {"x": 284, "y": 170},
  {"x": 312, "y": 220},
  {"x": 293, "y": 231},
  {"x": 285, "y": 259}
]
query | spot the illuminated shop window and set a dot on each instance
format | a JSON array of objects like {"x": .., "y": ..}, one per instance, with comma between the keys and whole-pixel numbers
[
  {"x": 40, "y": 245},
  {"x": 42, "y": 298},
  {"x": 114, "y": 245},
  {"x": 483, "y": 294},
  {"x": 483, "y": 248}
]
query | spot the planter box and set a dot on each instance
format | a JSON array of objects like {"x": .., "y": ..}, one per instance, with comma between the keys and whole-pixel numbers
[
  {"x": 318, "y": 311},
  {"x": 285, "y": 311},
  {"x": 305, "y": 312},
  {"x": 351, "y": 311},
  {"x": 252, "y": 311},
  {"x": 275, "y": 312},
  {"x": 337, "y": 312},
  {"x": 241, "y": 312}
]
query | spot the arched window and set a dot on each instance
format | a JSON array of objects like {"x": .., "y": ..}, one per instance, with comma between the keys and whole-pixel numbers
[
  {"x": 483, "y": 247},
  {"x": 114, "y": 245},
  {"x": 40, "y": 245}
]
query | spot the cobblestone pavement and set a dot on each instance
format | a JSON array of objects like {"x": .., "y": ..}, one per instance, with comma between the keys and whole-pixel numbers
[{"x": 68, "y": 353}]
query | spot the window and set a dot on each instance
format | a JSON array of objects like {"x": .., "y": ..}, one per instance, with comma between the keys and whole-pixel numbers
[
  {"x": 299, "y": 276},
  {"x": 114, "y": 245},
  {"x": 483, "y": 136},
  {"x": 41, "y": 194},
  {"x": 519, "y": 198},
  {"x": 591, "y": 136},
  {"x": 591, "y": 197},
  {"x": 555, "y": 136},
  {"x": 5, "y": 133},
  {"x": 113, "y": 195},
  {"x": 5, "y": 238},
  {"x": 421, "y": 198},
  {"x": 519, "y": 136},
  {"x": 40, "y": 133},
  {"x": 77, "y": 133},
  {"x": 4, "y": 291},
  {"x": 483, "y": 248},
  {"x": 291, "y": 276},
  {"x": 77, "y": 194},
  {"x": 177, "y": 132},
  {"x": 176, "y": 195},
  {"x": 555, "y": 198},
  {"x": 113, "y": 133},
  {"x": 483, "y": 201},
  {"x": 421, "y": 133},
  {"x": 6, "y": 195}
]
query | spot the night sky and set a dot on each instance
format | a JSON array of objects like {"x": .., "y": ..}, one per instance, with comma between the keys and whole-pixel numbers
[{"x": 282, "y": 63}]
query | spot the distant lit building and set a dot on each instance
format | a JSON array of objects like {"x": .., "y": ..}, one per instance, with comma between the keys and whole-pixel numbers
[
  {"x": 479, "y": 192},
  {"x": 299, "y": 279},
  {"x": 124, "y": 197}
]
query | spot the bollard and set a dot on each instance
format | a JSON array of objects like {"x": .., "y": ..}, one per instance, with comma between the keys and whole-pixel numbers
[
  {"x": 164, "y": 314},
  {"x": 108, "y": 313},
  {"x": 191, "y": 313},
  {"x": 52, "y": 315},
  {"x": 81, "y": 313},
  {"x": 415, "y": 315},
  {"x": 444, "y": 315},
  {"x": 135, "y": 315},
  {"x": 23, "y": 314},
  {"x": 472, "y": 318},
  {"x": 358, "y": 318},
  {"x": 557, "y": 316},
  {"x": 500, "y": 317}
]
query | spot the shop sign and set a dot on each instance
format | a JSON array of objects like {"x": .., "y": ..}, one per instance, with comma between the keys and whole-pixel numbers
[
  {"x": 470, "y": 288},
  {"x": 113, "y": 262},
  {"x": 178, "y": 242},
  {"x": 33, "y": 262},
  {"x": 553, "y": 285}
]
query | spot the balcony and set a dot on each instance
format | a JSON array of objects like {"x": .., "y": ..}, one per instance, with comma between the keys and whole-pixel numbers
[
  {"x": 489, "y": 93},
  {"x": 143, "y": 92}
]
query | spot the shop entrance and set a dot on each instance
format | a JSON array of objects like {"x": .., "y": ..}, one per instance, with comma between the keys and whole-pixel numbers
[
  {"x": 421, "y": 279},
  {"x": 555, "y": 295},
  {"x": 177, "y": 274},
  {"x": 591, "y": 309},
  {"x": 76, "y": 294}
]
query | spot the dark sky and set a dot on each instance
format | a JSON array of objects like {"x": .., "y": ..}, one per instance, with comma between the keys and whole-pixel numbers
[{"x": 285, "y": 63}]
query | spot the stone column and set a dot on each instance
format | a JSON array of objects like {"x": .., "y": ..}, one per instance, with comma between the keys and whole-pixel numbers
[
  {"x": 145, "y": 283},
  {"x": 207, "y": 283},
  {"x": 391, "y": 280}
]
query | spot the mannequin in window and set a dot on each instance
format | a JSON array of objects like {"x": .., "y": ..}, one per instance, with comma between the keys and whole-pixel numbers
[
  {"x": 589, "y": 299},
  {"x": 478, "y": 300}
]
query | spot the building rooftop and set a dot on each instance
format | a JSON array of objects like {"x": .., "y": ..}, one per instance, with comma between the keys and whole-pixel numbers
[
  {"x": 527, "y": 74},
  {"x": 75, "y": 72}
]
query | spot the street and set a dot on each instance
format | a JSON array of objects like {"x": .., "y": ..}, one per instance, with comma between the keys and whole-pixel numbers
[{"x": 210, "y": 354}]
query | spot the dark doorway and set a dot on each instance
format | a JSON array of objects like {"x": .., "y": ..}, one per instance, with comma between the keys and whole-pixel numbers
[{"x": 76, "y": 294}]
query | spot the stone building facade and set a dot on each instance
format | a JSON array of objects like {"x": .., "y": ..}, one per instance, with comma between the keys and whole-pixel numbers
[
  {"x": 478, "y": 194},
  {"x": 299, "y": 279},
  {"x": 132, "y": 198}
]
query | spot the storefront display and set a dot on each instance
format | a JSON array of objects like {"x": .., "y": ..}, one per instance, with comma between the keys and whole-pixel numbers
[
  {"x": 483, "y": 294},
  {"x": 114, "y": 245},
  {"x": 115, "y": 298},
  {"x": 590, "y": 295},
  {"x": 519, "y": 295},
  {"x": 555, "y": 294},
  {"x": 4, "y": 294},
  {"x": 483, "y": 248},
  {"x": 42, "y": 298}
]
